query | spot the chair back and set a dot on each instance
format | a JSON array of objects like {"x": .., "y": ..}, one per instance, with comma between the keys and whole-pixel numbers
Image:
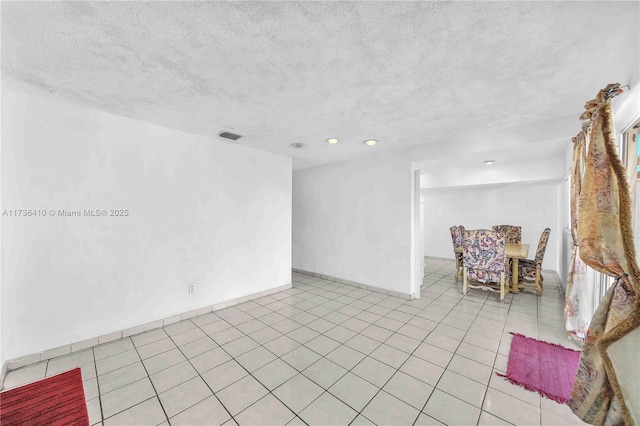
[
  {"x": 513, "y": 234},
  {"x": 457, "y": 235},
  {"x": 542, "y": 246},
  {"x": 484, "y": 255}
]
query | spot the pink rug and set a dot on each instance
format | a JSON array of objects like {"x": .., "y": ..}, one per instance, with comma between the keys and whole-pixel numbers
[{"x": 542, "y": 367}]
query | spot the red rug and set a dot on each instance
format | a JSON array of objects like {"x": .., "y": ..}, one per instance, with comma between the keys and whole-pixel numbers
[
  {"x": 542, "y": 367},
  {"x": 57, "y": 400}
]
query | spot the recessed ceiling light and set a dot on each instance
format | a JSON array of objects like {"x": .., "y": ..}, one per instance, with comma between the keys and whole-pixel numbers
[
  {"x": 370, "y": 142},
  {"x": 489, "y": 162},
  {"x": 297, "y": 145},
  {"x": 332, "y": 141}
]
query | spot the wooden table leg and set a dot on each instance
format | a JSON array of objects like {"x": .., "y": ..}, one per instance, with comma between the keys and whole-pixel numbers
[
  {"x": 457, "y": 275},
  {"x": 514, "y": 276}
]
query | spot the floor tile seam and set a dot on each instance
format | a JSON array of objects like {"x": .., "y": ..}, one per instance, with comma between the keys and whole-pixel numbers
[
  {"x": 198, "y": 375},
  {"x": 393, "y": 396},
  {"x": 435, "y": 387},
  {"x": 95, "y": 364},
  {"x": 243, "y": 334},
  {"x": 480, "y": 347},
  {"x": 429, "y": 333},
  {"x": 339, "y": 399},
  {"x": 164, "y": 327},
  {"x": 297, "y": 414},
  {"x": 177, "y": 384},
  {"x": 412, "y": 354},
  {"x": 255, "y": 378},
  {"x": 402, "y": 350},
  {"x": 115, "y": 342},
  {"x": 163, "y": 350},
  {"x": 278, "y": 357},
  {"x": 129, "y": 408},
  {"x": 46, "y": 367},
  {"x": 493, "y": 369},
  {"x": 395, "y": 372},
  {"x": 505, "y": 326},
  {"x": 454, "y": 353},
  {"x": 62, "y": 357},
  {"x": 315, "y": 382},
  {"x": 225, "y": 351},
  {"x": 188, "y": 343},
  {"x": 367, "y": 380},
  {"x": 486, "y": 337},
  {"x": 324, "y": 356},
  {"x": 357, "y": 350},
  {"x": 263, "y": 397},
  {"x": 157, "y": 395},
  {"x": 557, "y": 317},
  {"x": 128, "y": 384},
  {"x": 381, "y": 343},
  {"x": 123, "y": 366},
  {"x": 538, "y": 405},
  {"x": 263, "y": 346},
  {"x": 135, "y": 345},
  {"x": 403, "y": 323},
  {"x": 359, "y": 412},
  {"x": 269, "y": 391},
  {"x": 486, "y": 389},
  {"x": 496, "y": 415}
]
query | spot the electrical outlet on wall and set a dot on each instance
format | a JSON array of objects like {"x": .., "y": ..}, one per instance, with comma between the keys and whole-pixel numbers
[{"x": 192, "y": 288}]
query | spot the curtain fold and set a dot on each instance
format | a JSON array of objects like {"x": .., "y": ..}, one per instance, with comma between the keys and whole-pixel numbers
[
  {"x": 607, "y": 383},
  {"x": 578, "y": 308}
]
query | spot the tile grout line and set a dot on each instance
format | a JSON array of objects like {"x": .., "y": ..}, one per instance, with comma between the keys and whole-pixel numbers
[
  {"x": 445, "y": 368},
  {"x": 438, "y": 293},
  {"x": 466, "y": 332},
  {"x": 301, "y": 345},
  {"x": 95, "y": 365},
  {"x": 198, "y": 375}
]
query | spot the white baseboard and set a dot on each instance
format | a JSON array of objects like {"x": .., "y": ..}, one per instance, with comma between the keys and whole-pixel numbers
[
  {"x": 355, "y": 284},
  {"x": 16, "y": 363}
]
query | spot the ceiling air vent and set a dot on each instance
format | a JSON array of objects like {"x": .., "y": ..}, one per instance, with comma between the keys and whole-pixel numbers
[{"x": 229, "y": 135}]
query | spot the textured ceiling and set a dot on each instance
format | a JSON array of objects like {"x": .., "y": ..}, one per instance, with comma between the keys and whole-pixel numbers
[{"x": 438, "y": 79}]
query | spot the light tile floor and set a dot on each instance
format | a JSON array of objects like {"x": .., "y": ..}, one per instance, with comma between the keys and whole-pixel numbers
[{"x": 323, "y": 353}]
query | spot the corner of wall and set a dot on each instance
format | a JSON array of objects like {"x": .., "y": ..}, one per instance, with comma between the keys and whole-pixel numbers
[
  {"x": 135, "y": 266},
  {"x": 121, "y": 334}
]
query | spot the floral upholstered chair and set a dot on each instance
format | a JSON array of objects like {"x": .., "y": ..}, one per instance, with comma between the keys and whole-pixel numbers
[
  {"x": 457, "y": 235},
  {"x": 531, "y": 270},
  {"x": 484, "y": 261},
  {"x": 512, "y": 234}
]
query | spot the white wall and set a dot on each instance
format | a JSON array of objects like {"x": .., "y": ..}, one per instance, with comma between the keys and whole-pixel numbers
[
  {"x": 201, "y": 211},
  {"x": 1, "y": 207},
  {"x": 533, "y": 206},
  {"x": 625, "y": 107},
  {"x": 352, "y": 220},
  {"x": 456, "y": 174}
]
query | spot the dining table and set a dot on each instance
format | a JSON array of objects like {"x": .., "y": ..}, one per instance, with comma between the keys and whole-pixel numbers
[{"x": 515, "y": 252}]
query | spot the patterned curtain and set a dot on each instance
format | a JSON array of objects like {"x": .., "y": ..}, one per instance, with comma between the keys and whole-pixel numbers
[
  {"x": 607, "y": 386},
  {"x": 578, "y": 308}
]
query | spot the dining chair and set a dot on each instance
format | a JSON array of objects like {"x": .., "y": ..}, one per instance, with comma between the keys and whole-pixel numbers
[
  {"x": 457, "y": 235},
  {"x": 484, "y": 262},
  {"x": 513, "y": 234},
  {"x": 531, "y": 269}
]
